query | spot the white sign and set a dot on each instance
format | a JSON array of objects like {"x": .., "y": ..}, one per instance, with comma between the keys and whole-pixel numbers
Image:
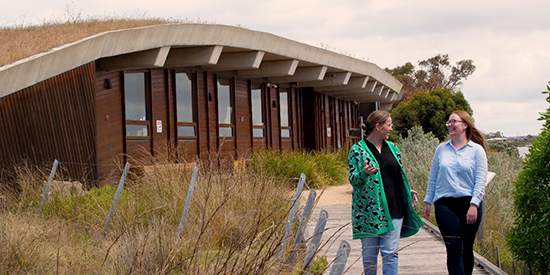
[{"x": 159, "y": 126}]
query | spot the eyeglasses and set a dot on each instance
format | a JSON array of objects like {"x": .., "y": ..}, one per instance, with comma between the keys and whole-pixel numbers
[{"x": 453, "y": 121}]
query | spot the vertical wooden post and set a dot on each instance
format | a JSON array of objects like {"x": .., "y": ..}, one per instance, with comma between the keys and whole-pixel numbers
[
  {"x": 48, "y": 185},
  {"x": 315, "y": 241},
  {"x": 498, "y": 257},
  {"x": 117, "y": 196},
  {"x": 301, "y": 228},
  {"x": 292, "y": 213},
  {"x": 341, "y": 258},
  {"x": 188, "y": 200}
]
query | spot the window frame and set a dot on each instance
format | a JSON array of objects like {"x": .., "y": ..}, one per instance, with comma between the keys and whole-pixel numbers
[
  {"x": 231, "y": 90},
  {"x": 193, "y": 105},
  {"x": 262, "y": 110},
  {"x": 289, "y": 116},
  {"x": 147, "y": 93}
]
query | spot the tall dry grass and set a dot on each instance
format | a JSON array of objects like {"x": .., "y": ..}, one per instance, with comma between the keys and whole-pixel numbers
[
  {"x": 20, "y": 41},
  {"x": 235, "y": 226}
]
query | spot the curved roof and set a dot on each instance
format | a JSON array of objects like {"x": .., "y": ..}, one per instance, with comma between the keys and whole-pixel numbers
[{"x": 250, "y": 54}]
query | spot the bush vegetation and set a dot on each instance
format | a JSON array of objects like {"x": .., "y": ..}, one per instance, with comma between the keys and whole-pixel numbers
[
  {"x": 429, "y": 110},
  {"x": 530, "y": 238},
  {"x": 320, "y": 168},
  {"x": 234, "y": 226}
]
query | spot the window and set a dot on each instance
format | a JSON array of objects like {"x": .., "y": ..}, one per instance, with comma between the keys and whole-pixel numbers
[
  {"x": 225, "y": 107},
  {"x": 257, "y": 103},
  {"x": 284, "y": 115},
  {"x": 137, "y": 124},
  {"x": 185, "y": 103}
]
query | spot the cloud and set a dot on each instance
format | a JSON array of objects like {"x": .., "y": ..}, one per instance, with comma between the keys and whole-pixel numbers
[
  {"x": 508, "y": 41},
  {"x": 510, "y": 119}
]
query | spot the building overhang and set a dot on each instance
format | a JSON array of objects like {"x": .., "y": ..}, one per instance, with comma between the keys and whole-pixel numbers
[{"x": 249, "y": 54}]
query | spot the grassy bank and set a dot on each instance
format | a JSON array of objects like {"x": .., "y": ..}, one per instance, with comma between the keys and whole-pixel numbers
[
  {"x": 320, "y": 168},
  {"x": 234, "y": 226}
]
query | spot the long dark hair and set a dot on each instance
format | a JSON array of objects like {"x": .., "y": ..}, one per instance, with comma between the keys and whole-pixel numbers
[{"x": 472, "y": 133}]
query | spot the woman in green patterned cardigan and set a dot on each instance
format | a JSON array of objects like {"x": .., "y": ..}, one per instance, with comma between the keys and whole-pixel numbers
[{"x": 382, "y": 206}]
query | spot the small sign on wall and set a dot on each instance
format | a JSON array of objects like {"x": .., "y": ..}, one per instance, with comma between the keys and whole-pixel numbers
[
  {"x": 329, "y": 132},
  {"x": 159, "y": 126}
]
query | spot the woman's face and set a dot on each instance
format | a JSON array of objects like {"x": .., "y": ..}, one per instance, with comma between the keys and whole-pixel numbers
[
  {"x": 456, "y": 126},
  {"x": 385, "y": 128}
]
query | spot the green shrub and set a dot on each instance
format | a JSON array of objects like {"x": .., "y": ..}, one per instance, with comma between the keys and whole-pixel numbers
[
  {"x": 88, "y": 209},
  {"x": 417, "y": 151},
  {"x": 319, "y": 266},
  {"x": 320, "y": 168},
  {"x": 529, "y": 238},
  {"x": 507, "y": 147}
]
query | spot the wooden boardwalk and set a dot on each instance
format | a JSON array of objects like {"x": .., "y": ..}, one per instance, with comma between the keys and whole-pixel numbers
[{"x": 423, "y": 253}]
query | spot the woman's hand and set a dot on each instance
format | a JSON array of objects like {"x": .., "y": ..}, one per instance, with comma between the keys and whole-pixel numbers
[
  {"x": 471, "y": 216},
  {"x": 427, "y": 209},
  {"x": 414, "y": 197},
  {"x": 370, "y": 169}
]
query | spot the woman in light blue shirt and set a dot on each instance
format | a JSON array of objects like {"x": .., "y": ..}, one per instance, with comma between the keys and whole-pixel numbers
[{"x": 456, "y": 187}]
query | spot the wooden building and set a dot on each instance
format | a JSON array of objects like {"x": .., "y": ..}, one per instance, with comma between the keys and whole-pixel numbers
[{"x": 182, "y": 91}]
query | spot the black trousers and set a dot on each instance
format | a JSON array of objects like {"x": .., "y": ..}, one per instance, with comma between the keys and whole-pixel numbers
[{"x": 459, "y": 236}]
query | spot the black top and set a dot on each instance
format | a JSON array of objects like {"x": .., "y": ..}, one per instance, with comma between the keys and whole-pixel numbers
[{"x": 391, "y": 178}]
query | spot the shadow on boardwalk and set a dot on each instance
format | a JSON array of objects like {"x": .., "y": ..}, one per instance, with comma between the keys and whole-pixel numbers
[{"x": 423, "y": 253}]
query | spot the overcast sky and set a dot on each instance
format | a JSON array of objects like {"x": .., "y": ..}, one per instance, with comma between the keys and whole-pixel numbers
[{"x": 509, "y": 41}]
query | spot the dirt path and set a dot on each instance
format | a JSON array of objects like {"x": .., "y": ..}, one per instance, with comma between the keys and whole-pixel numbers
[{"x": 332, "y": 195}]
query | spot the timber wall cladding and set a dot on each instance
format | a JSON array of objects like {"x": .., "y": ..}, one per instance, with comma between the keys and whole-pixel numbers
[
  {"x": 53, "y": 119},
  {"x": 203, "y": 119},
  {"x": 297, "y": 129},
  {"x": 243, "y": 119},
  {"x": 110, "y": 124},
  {"x": 287, "y": 143},
  {"x": 309, "y": 123},
  {"x": 159, "y": 113},
  {"x": 273, "y": 107}
]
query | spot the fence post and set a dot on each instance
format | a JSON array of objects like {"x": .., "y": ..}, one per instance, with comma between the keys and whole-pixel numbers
[
  {"x": 341, "y": 258},
  {"x": 301, "y": 228},
  {"x": 48, "y": 185},
  {"x": 115, "y": 200},
  {"x": 315, "y": 241},
  {"x": 188, "y": 200},
  {"x": 498, "y": 257},
  {"x": 292, "y": 213}
]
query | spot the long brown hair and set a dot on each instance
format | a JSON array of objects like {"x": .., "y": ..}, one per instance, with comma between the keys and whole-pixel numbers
[
  {"x": 379, "y": 117},
  {"x": 472, "y": 133}
]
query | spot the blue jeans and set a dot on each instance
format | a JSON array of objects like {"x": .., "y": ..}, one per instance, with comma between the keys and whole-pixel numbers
[
  {"x": 459, "y": 236},
  {"x": 388, "y": 245}
]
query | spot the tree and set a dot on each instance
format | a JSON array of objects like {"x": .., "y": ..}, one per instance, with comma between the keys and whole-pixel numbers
[
  {"x": 529, "y": 238},
  {"x": 430, "y": 110},
  {"x": 498, "y": 134},
  {"x": 434, "y": 73}
]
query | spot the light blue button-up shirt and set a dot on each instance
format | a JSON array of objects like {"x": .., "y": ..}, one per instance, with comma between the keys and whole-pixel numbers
[{"x": 458, "y": 173}]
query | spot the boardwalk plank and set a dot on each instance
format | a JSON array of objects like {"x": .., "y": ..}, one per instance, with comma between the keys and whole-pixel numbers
[{"x": 423, "y": 253}]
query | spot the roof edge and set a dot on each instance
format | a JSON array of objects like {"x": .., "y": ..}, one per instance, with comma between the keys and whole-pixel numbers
[{"x": 29, "y": 71}]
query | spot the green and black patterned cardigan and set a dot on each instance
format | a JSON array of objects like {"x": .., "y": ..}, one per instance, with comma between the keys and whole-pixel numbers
[{"x": 370, "y": 214}]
